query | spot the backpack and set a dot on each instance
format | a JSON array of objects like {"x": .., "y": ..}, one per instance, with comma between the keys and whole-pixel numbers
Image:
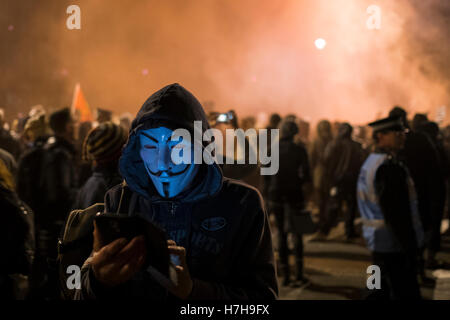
[{"x": 75, "y": 246}]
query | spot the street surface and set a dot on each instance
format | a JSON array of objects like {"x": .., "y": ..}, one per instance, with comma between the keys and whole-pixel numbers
[{"x": 337, "y": 269}]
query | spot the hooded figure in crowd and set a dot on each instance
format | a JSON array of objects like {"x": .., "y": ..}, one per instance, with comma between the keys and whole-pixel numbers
[{"x": 217, "y": 227}]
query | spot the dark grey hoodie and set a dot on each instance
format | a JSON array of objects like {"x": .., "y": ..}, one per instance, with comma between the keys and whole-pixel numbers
[{"x": 221, "y": 222}]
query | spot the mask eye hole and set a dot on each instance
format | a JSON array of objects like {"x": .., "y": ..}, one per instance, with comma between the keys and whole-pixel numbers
[{"x": 147, "y": 146}]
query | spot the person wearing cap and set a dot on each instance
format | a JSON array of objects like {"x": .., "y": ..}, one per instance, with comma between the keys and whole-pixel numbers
[
  {"x": 102, "y": 147},
  {"x": 388, "y": 205}
]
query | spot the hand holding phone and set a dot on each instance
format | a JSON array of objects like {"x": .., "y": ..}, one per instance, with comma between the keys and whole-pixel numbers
[
  {"x": 138, "y": 237},
  {"x": 116, "y": 262}
]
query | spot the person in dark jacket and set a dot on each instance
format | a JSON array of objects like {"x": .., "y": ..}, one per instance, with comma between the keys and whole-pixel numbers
[
  {"x": 31, "y": 164},
  {"x": 431, "y": 129},
  {"x": 16, "y": 241},
  {"x": 422, "y": 160},
  {"x": 217, "y": 227},
  {"x": 58, "y": 186},
  {"x": 286, "y": 196},
  {"x": 247, "y": 172},
  {"x": 274, "y": 122},
  {"x": 317, "y": 153},
  {"x": 388, "y": 205},
  {"x": 103, "y": 147},
  {"x": 342, "y": 160}
]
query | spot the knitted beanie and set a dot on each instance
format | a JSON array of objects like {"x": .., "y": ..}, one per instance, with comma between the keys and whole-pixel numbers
[{"x": 104, "y": 143}]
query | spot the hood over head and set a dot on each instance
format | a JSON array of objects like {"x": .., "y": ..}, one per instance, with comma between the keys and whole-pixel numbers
[{"x": 172, "y": 107}]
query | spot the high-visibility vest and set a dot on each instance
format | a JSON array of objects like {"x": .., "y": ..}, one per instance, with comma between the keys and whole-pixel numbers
[{"x": 377, "y": 236}]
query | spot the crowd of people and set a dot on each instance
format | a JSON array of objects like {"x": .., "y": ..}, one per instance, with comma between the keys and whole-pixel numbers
[{"x": 51, "y": 163}]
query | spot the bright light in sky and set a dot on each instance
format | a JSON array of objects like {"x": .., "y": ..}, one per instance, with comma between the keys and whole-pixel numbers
[{"x": 320, "y": 43}]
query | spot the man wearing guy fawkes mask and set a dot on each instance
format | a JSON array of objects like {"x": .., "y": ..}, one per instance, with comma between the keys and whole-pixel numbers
[{"x": 216, "y": 226}]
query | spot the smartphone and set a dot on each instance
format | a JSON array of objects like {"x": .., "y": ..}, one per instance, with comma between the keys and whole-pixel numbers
[
  {"x": 222, "y": 117},
  {"x": 112, "y": 226}
]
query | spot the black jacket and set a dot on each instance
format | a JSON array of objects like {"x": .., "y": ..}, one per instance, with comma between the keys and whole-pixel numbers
[
  {"x": 342, "y": 161},
  {"x": 10, "y": 144},
  {"x": 293, "y": 172},
  {"x": 229, "y": 260},
  {"x": 16, "y": 244},
  {"x": 391, "y": 185},
  {"x": 30, "y": 171},
  {"x": 58, "y": 182},
  {"x": 421, "y": 158},
  {"x": 94, "y": 190}
]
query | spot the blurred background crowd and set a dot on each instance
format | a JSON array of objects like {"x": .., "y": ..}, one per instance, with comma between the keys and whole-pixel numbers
[{"x": 52, "y": 162}]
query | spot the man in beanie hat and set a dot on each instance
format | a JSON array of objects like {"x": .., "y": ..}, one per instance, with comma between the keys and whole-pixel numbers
[
  {"x": 103, "y": 148},
  {"x": 286, "y": 196},
  {"x": 387, "y": 202},
  {"x": 216, "y": 228}
]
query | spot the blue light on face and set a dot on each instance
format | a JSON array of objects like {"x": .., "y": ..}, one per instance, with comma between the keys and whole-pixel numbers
[{"x": 156, "y": 147}]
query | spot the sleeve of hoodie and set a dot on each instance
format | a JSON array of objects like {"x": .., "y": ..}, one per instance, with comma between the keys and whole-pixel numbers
[
  {"x": 91, "y": 289},
  {"x": 254, "y": 272}
]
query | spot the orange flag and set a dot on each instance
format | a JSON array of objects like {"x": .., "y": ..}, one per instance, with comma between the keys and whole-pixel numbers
[{"x": 80, "y": 105}]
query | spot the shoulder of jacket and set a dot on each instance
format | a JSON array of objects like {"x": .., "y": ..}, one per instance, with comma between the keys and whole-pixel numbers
[
  {"x": 117, "y": 189},
  {"x": 241, "y": 192}
]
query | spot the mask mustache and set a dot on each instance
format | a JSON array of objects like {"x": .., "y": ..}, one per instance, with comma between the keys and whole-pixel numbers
[{"x": 169, "y": 173}]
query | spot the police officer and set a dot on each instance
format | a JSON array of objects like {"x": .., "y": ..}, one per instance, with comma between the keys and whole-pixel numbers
[{"x": 388, "y": 205}]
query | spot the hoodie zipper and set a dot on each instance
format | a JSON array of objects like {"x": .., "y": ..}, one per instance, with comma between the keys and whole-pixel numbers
[{"x": 173, "y": 207}]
